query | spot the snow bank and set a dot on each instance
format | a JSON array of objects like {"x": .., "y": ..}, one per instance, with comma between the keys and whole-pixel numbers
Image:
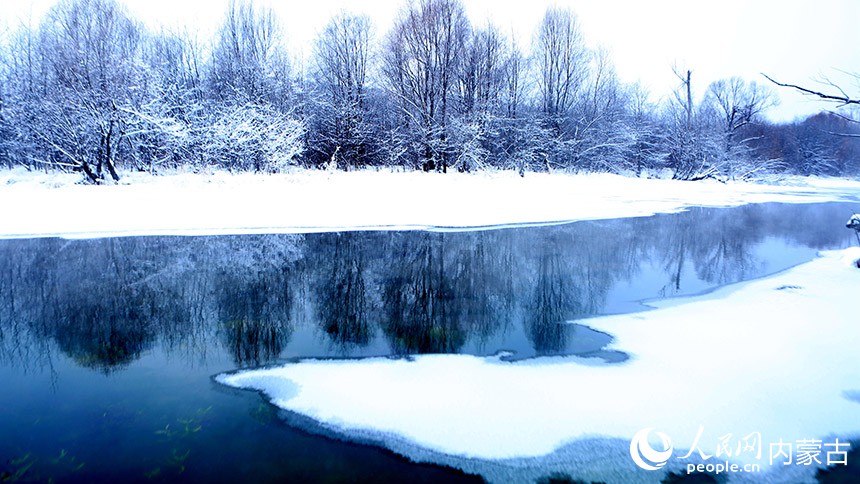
[
  {"x": 776, "y": 355},
  {"x": 306, "y": 201}
]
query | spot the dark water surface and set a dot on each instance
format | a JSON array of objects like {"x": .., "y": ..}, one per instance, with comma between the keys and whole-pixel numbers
[{"x": 107, "y": 346}]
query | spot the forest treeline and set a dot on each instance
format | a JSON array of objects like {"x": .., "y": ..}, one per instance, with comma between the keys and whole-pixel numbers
[{"x": 91, "y": 89}]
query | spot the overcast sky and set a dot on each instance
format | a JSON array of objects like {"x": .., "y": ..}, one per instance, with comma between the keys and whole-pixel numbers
[{"x": 791, "y": 40}]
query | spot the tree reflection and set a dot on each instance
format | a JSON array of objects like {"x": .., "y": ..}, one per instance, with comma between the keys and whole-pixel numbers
[
  {"x": 421, "y": 314},
  {"x": 102, "y": 338},
  {"x": 106, "y": 302},
  {"x": 254, "y": 298},
  {"x": 484, "y": 288},
  {"x": 674, "y": 251},
  {"x": 343, "y": 303},
  {"x": 552, "y": 303},
  {"x": 719, "y": 245},
  {"x": 100, "y": 314},
  {"x": 252, "y": 342}
]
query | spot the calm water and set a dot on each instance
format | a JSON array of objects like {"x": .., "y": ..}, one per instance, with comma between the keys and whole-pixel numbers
[{"x": 107, "y": 346}]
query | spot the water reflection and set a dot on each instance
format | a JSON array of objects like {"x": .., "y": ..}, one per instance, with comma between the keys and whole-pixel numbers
[
  {"x": 421, "y": 298},
  {"x": 105, "y": 302},
  {"x": 252, "y": 341},
  {"x": 343, "y": 307}
]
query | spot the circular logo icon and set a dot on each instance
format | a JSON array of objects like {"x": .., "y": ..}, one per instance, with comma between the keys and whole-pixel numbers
[{"x": 646, "y": 456}]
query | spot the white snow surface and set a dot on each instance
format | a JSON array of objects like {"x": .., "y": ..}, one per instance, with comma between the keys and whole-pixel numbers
[
  {"x": 180, "y": 203},
  {"x": 776, "y": 355}
]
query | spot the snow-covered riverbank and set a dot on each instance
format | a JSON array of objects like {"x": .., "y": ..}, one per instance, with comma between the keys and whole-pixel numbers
[
  {"x": 775, "y": 358},
  {"x": 41, "y": 205}
]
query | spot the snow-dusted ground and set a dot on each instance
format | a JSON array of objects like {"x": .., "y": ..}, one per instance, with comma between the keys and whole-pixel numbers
[
  {"x": 777, "y": 356},
  {"x": 38, "y": 204}
]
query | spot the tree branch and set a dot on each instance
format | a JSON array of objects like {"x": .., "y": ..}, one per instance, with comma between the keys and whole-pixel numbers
[{"x": 844, "y": 99}]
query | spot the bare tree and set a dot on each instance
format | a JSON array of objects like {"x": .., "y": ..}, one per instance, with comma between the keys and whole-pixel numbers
[
  {"x": 601, "y": 138},
  {"x": 90, "y": 53},
  {"x": 174, "y": 59},
  {"x": 562, "y": 62},
  {"x": 513, "y": 81},
  {"x": 482, "y": 73},
  {"x": 420, "y": 63},
  {"x": 160, "y": 129},
  {"x": 648, "y": 150},
  {"x": 481, "y": 92},
  {"x": 683, "y": 96},
  {"x": 341, "y": 54},
  {"x": 6, "y": 131},
  {"x": 249, "y": 64},
  {"x": 691, "y": 146},
  {"x": 738, "y": 104}
]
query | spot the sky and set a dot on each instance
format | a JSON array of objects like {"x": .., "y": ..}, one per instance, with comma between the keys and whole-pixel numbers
[{"x": 801, "y": 42}]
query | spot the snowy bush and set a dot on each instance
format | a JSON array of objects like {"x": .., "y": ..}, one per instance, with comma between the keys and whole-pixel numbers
[
  {"x": 469, "y": 140},
  {"x": 254, "y": 137}
]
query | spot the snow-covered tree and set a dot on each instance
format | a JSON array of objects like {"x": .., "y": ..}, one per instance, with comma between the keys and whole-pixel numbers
[
  {"x": 249, "y": 62},
  {"x": 343, "y": 133},
  {"x": 163, "y": 128},
  {"x": 693, "y": 146},
  {"x": 253, "y": 137},
  {"x": 561, "y": 59},
  {"x": 648, "y": 148},
  {"x": 420, "y": 61},
  {"x": 602, "y": 139},
  {"x": 88, "y": 88},
  {"x": 736, "y": 105},
  {"x": 82, "y": 70},
  {"x": 6, "y": 132}
]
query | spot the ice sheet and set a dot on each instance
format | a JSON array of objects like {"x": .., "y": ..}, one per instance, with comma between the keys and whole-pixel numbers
[
  {"x": 311, "y": 201},
  {"x": 776, "y": 356}
]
